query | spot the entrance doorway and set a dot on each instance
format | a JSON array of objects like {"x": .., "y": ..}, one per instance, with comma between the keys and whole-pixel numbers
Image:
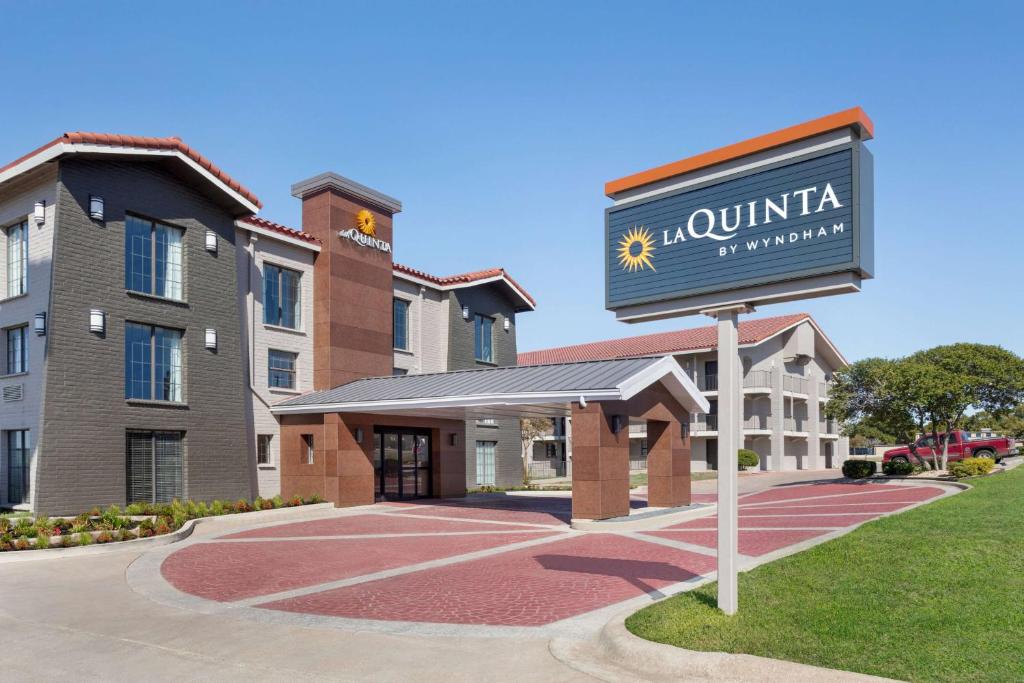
[{"x": 402, "y": 463}]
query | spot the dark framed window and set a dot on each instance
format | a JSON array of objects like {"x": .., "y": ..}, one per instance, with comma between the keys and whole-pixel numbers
[
  {"x": 643, "y": 448},
  {"x": 17, "y": 349},
  {"x": 483, "y": 347},
  {"x": 154, "y": 258},
  {"x": 263, "y": 448},
  {"x": 155, "y": 466},
  {"x": 400, "y": 323},
  {"x": 152, "y": 363},
  {"x": 281, "y": 369},
  {"x": 17, "y": 259},
  {"x": 281, "y": 296},
  {"x": 398, "y": 372},
  {"x": 18, "y": 465},
  {"x": 307, "y": 449}
]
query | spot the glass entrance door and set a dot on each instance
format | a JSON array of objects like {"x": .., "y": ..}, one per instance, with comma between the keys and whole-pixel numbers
[{"x": 402, "y": 463}]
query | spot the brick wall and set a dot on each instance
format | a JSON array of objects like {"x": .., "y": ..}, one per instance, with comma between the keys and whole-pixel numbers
[
  {"x": 86, "y": 415},
  {"x": 490, "y": 300}
]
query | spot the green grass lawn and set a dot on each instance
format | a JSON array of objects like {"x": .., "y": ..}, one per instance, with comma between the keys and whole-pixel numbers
[
  {"x": 640, "y": 478},
  {"x": 933, "y": 594}
]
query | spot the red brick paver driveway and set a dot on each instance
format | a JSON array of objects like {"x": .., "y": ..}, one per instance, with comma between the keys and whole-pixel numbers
[{"x": 500, "y": 560}]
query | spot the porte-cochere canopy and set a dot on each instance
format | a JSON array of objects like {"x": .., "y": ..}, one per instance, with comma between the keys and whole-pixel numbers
[{"x": 536, "y": 390}]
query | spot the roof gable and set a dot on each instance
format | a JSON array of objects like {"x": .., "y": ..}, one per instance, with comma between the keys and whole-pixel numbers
[{"x": 663, "y": 343}]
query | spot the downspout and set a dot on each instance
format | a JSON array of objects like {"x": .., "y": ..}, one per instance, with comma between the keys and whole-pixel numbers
[{"x": 251, "y": 251}]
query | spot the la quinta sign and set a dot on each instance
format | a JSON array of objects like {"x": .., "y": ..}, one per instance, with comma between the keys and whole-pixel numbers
[
  {"x": 790, "y": 222},
  {"x": 784, "y": 216}
]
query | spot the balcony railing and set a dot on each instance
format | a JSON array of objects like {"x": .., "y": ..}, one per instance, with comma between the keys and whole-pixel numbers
[
  {"x": 704, "y": 423},
  {"x": 797, "y": 385},
  {"x": 823, "y": 389},
  {"x": 758, "y": 379},
  {"x": 758, "y": 422},
  {"x": 707, "y": 382},
  {"x": 546, "y": 469},
  {"x": 827, "y": 427},
  {"x": 796, "y": 424}
]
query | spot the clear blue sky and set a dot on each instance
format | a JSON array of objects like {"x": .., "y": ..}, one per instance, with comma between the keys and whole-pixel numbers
[{"x": 497, "y": 127}]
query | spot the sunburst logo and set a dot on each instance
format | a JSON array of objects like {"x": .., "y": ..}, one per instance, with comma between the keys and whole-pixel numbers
[
  {"x": 636, "y": 249},
  {"x": 366, "y": 223}
]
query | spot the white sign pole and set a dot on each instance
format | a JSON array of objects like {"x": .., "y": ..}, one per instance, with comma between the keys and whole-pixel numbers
[{"x": 730, "y": 412}]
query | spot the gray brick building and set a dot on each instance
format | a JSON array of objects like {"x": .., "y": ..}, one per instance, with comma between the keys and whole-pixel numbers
[{"x": 150, "y": 320}]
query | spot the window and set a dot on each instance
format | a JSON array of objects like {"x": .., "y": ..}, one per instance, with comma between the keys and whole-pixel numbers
[
  {"x": 281, "y": 369},
  {"x": 263, "y": 448},
  {"x": 17, "y": 259},
  {"x": 154, "y": 467},
  {"x": 18, "y": 465},
  {"x": 482, "y": 347},
  {"x": 485, "y": 462},
  {"x": 487, "y": 422},
  {"x": 400, "y": 323},
  {"x": 152, "y": 357},
  {"x": 398, "y": 372},
  {"x": 153, "y": 258},
  {"x": 643, "y": 448},
  {"x": 281, "y": 296},
  {"x": 17, "y": 350},
  {"x": 551, "y": 450},
  {"x": 307, "y": 448}
]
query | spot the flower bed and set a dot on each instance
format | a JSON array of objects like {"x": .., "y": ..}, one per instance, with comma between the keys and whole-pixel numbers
[{"x": 137, "y": 520}]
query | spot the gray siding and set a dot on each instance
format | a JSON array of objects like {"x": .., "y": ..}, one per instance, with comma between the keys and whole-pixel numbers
[
  {"x": 488, "y": 300},
  {"x": 86, "y": 415}
]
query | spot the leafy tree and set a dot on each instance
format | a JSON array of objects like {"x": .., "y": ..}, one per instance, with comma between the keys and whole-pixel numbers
[
  {"x": 928, "y": 391},
  {"x": 530, "y": 429}
]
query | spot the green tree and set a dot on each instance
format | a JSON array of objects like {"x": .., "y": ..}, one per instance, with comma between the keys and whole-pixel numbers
[
  {"x": 530, "y": 429},
  {"x": 928, "y": 391}
]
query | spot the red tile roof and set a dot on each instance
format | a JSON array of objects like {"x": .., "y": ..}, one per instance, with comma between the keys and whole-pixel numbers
[
  {"x": 143, "y": 142},
  {"x": 464, "y": 278},
  {"x": 661, "y": 343},
  {"x": 277, "y": 227}
]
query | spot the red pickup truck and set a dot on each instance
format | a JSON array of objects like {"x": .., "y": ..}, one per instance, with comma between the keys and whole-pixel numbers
[{"x": 961, "y": 445}]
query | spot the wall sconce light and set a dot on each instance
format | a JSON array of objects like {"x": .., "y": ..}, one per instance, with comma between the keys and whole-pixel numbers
[
  {"x": 40, "y": 324},
  {"x": 616, "y": 424},
  {"x": 39, "y": 213},
  {"x": 358, "y": 434},
  {"x": 465, "y": 312},
  {"x": 97, "y": 321},
  {"x": 95, "y": 207},
  {"x": 211, "y": 339},
  {"x": 453, "y": 439},
  {"x": 211, "y": 241},
  {"x": 508, "y": 324}
]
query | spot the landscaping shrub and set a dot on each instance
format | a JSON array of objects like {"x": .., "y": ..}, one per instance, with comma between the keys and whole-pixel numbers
[
  {"x": 746, "y": 458},
  {"x": 897, "y": 468},
  {"x": 117, "y": 525},
  {"x": 970, "y": 467},
  {"x": 858, "y": 469}
]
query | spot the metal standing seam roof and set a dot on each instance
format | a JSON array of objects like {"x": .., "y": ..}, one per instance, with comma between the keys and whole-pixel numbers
[{"x": 533, "y": 379}]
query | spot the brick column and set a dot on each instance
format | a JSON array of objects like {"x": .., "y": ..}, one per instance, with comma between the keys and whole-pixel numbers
[
  {"x": 668, "y": 464},
  {"x": 600, "y": 472},
  {"x": 352, "y": 461}
]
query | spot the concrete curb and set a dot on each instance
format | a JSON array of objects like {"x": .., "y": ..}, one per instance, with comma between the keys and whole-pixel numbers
[
  {"x": 619, "y": 655},
  {"x": 138, "y": 544},
  {"x": 654, "y": 519}
]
